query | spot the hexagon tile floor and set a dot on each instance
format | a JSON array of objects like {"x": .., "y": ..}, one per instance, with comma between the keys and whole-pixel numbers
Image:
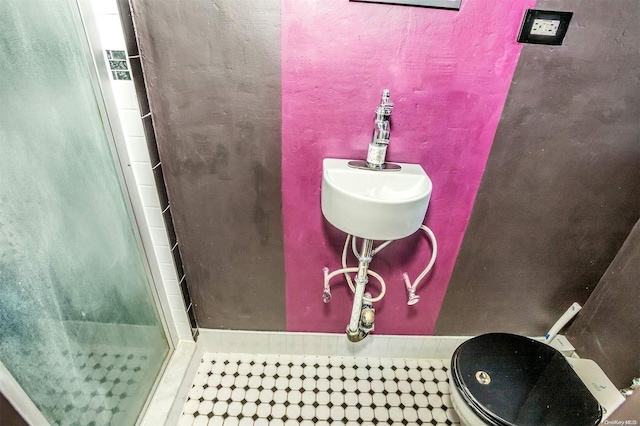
[{"x": 243, "y": 389}]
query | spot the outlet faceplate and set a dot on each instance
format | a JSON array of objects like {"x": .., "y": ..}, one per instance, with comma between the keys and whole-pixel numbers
[{"x": 544, "y": 27}]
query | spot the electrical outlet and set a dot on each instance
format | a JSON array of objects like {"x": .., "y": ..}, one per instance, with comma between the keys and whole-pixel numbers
[{"x": 544, "y": 27}]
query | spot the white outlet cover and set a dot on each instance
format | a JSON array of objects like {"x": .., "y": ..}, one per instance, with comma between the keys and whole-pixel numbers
[{"x": 545, "y": 27}]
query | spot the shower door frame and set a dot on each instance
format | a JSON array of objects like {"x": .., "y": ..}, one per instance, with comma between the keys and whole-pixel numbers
[
  {"x": 101, "y": 82},
  {"x": 87, "y": 31}
]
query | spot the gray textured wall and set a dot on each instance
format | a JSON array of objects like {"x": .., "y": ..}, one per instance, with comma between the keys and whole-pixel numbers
[
  {"x": 561, "y": 190},
  {"x": 213, "y": 78},
  {"x": 607, "y": 329}
]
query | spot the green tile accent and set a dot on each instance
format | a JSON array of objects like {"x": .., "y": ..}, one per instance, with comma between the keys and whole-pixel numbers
[
  {"x": 122, "y": 75},
  {"x": 118, "y": 65},
  {"x": 118, "y": 54}
]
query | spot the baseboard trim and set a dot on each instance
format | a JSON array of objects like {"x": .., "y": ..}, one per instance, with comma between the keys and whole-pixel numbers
[{"x": 329, "y": 344}]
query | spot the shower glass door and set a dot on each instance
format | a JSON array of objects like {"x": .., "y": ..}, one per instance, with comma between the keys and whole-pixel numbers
[{"x": 79, "y": 328}]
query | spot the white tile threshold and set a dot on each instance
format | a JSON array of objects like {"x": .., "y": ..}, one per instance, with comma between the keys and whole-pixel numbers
[{"x": 167, "y": 394}]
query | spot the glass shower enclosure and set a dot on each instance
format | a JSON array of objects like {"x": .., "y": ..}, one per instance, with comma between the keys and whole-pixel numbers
[{"x": 80, "y": 330}]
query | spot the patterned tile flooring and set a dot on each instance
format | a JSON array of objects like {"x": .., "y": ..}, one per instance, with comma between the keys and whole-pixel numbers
[
  {"x": 243, "y": 389},
  {"x": 91, "y": 387}
]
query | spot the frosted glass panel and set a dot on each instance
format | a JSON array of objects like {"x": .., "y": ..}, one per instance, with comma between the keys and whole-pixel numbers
[{"x": 78, "y": 326}]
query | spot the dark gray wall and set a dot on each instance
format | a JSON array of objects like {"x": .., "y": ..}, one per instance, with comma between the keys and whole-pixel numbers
[
  {"x": 213, "y": 79},
  {"x": 561, "y": 190},
  {"x": 607, "y": 329},
  {"x": 8, "y": 415}
]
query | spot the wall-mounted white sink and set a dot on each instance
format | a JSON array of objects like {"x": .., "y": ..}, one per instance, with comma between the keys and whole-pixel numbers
[{"x": 378, "y": 205}]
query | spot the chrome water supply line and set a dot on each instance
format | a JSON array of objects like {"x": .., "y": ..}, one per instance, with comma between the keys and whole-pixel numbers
[
  {"x": 354, "y": 332},
  {"x": 362, "y": 318},
  {"x": 635, "y": 385}
]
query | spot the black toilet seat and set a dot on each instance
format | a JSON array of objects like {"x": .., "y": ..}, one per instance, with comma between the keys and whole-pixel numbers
[{"x": 511, "y": 380}]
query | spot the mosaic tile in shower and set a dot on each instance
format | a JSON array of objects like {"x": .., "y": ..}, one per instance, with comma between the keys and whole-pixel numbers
[
  {"x": 91, "y": 387},
  {"x": 118, "y": 64},
  {"x": 242, "y": 389}
]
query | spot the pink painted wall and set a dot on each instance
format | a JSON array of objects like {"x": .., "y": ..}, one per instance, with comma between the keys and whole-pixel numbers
[{"x": 449, "y": 73}]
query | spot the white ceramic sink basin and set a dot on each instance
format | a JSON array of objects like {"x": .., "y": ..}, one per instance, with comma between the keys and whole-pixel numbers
[{"x": 378, "y": 205}]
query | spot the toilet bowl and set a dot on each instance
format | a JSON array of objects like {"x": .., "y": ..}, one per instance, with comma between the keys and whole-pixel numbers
[{"x": 503, "y": 379}]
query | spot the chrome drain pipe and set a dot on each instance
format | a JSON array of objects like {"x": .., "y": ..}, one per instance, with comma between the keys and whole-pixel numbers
[{"x": 354, "y": 332}]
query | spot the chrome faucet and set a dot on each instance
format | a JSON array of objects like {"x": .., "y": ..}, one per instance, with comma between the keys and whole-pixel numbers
[
  {"x": 381, "y": 132},
  {"x": 377, "y": 152}
]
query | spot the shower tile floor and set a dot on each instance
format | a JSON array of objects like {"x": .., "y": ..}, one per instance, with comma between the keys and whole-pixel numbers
[
  {"x": 243, "y": 389},
  {"x": 89, "y": 387}
]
